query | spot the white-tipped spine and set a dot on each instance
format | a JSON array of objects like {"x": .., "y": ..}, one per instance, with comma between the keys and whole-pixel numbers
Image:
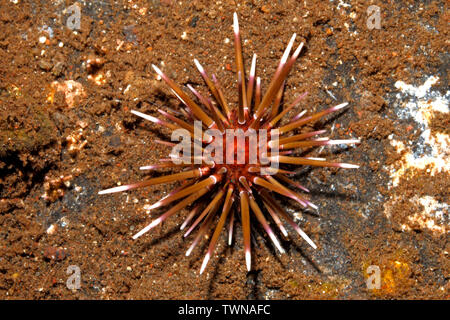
[
  {"x": 116, "y": 189},
  {"x": 145, "y": 116},
  {"x": 306, "y": 238},
  {"x": 348, "y": 166},
  {"x": 276, "y": 242},
  {"x": 235, "y": 24},
  {"x": 147, "y": 167},
  {"x": 297, "y": 51},
  {"x": 205, "y": 262},
  {"x": 340, "y": 106},
  {"x": 248, "y": 260},
  {"x": 288, "y": 49},
  {"x": 350, "y": 141},
  {"x": 253, "y": 67},
  {"x": 157, "y": 70},
  {"x": 199, "y": 66},
  {"x": 147, "y": 228}
]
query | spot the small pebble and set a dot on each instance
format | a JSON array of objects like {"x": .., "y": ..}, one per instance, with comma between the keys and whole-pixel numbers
[
  {"x": 58, "y": 69},
  {"x": 54, "y": 253},
  {"x": 51, "y": 229},
  {"x": 45, "y": 65},
  {"x": 193, "y": 22},
  {"x": 212, "y": 14},
  {"x": 265, "y": 9}
]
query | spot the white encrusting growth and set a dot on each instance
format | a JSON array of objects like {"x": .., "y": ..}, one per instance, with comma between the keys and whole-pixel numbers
[
  {"x": 432, "y": 148},
  {"x": 424, "y": 157}
]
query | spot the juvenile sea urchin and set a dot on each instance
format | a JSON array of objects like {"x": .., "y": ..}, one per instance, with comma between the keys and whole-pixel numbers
[{"x": 211, "y": 183}]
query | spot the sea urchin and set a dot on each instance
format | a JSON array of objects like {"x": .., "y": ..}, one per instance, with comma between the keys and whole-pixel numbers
[{"x": 243, "y": 181}]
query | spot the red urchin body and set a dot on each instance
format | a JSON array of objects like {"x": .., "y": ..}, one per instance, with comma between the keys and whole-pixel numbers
[{"x": 239, "y": 188}]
